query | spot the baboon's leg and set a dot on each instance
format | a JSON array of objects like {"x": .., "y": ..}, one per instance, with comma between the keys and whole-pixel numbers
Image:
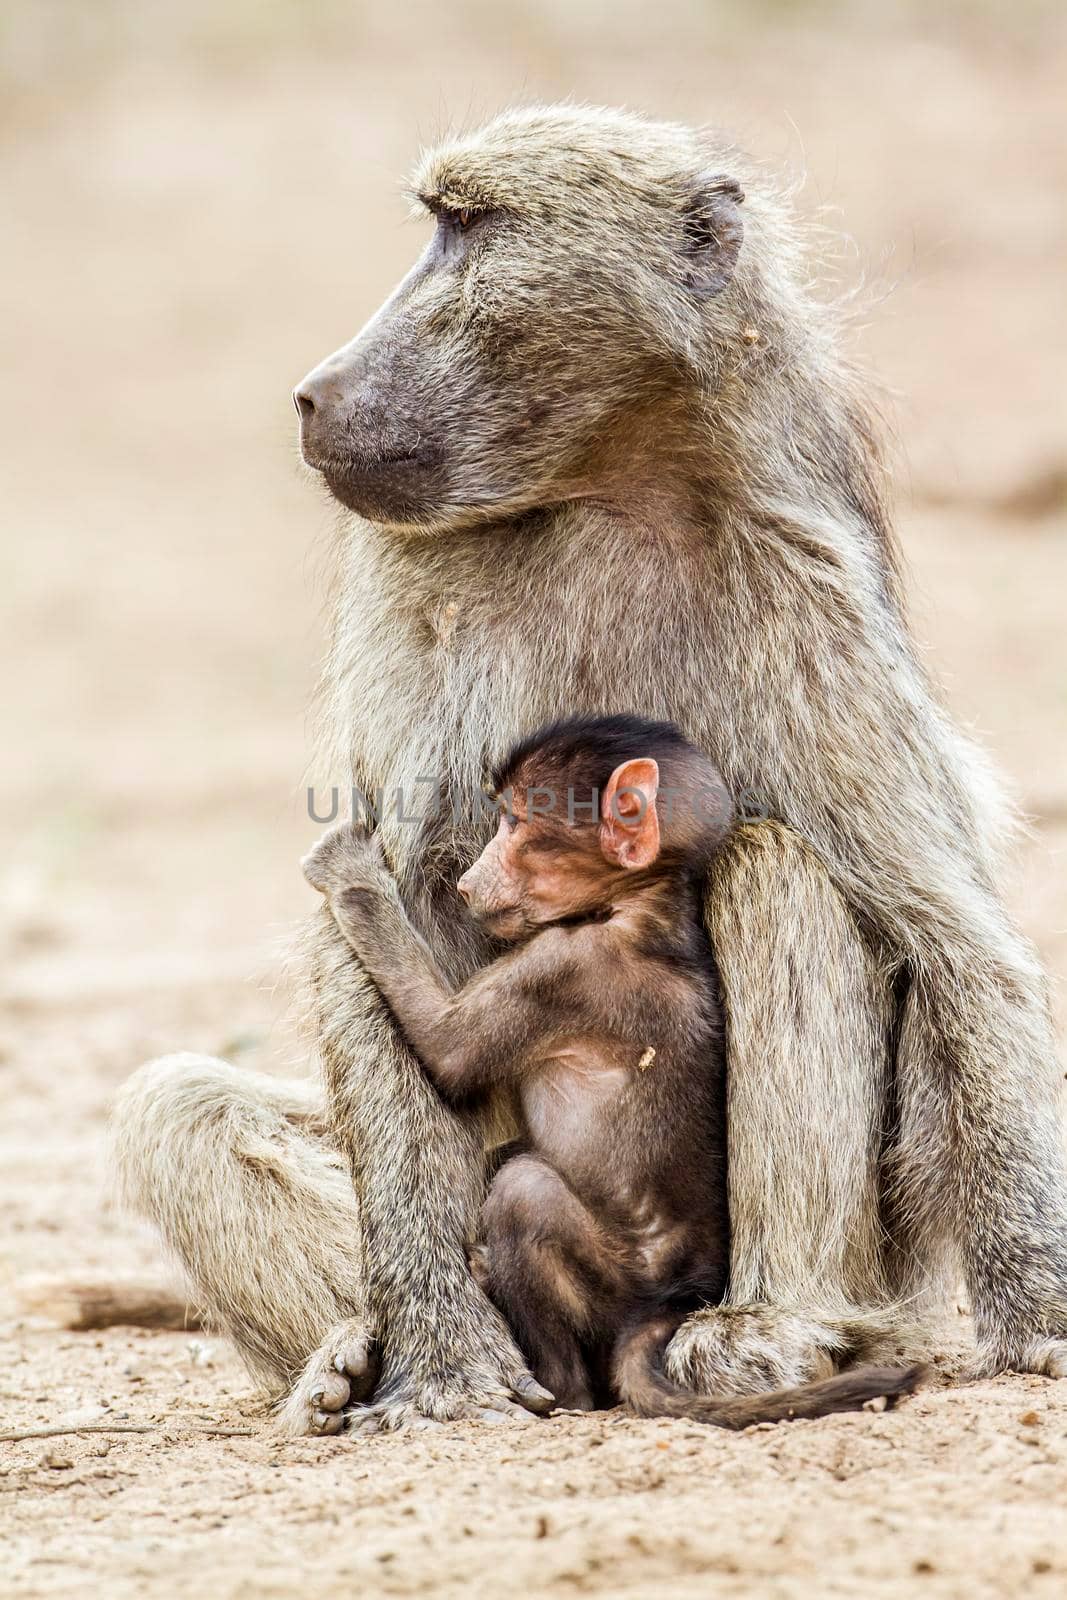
[
  {"x": 980, "y": 1160},
  {"x": 234, "y": 1170},
  {"x": 808, "y": 1031},
  {"x": 419, "y": 1170},
  {"x": 551, "y": 1272}
]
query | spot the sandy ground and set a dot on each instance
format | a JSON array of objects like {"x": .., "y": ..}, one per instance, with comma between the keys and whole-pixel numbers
[{"x": 197, "y": 207}]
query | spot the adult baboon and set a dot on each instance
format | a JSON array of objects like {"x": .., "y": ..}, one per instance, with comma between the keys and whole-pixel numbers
[{"x": 606, "y": 455}]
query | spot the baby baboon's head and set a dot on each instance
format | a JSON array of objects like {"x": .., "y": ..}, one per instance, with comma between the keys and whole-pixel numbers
[
  {"x": 594, "y": 809},
  {"x": 576, "y": 264}
]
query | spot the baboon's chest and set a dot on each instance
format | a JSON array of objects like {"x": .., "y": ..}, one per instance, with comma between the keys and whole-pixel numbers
[{"x": 458, "y": 652}]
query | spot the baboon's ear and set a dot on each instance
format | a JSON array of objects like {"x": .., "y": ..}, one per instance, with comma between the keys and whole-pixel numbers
[
  {"x": 629, "y": 823},
  {"x": 712, "y": 233}
]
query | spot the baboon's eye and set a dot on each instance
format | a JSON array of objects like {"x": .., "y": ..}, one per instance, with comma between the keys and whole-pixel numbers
[{"x": 465, "y": 217}]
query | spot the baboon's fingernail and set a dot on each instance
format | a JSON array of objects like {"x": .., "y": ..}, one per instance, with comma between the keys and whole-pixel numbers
[{"x": 535, "y": 1394}]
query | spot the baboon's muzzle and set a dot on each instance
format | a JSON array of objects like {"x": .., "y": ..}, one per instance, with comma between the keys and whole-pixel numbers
[{"x": 359, "y": 428}]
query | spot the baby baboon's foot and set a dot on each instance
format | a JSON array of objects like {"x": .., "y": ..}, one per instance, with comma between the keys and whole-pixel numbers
[
  {"x": 342, "y": 1369},
  {"x": 478, "y": 1263},
  {"x": 346, "y": 857},
  {"x": 750, "y": 1349}
]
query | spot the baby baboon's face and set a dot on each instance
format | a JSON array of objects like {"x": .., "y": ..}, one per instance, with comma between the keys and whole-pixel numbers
[
  {"x": 515, "y": 363},
  {"x": 534, "y": 871}
]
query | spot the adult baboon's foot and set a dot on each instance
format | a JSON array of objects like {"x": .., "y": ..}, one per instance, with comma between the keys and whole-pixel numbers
[
  {"x": 470, "y": 1396},
  {"x": 343, "y": 1369},
  {"x": 1048, "y": 1357},
  {"x": 1045, "y": 1356},
  {"x": 470, "y": 1372},
  {"x": 750, "y": 1349}
]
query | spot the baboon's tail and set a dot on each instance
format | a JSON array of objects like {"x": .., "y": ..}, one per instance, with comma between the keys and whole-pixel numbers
[
  {"x": 83, "y": 1305},
  {"x": 647, "y": 1391}
]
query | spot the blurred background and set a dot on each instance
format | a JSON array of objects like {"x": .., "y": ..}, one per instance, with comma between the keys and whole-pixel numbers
[{"x": 200, "y": 200}]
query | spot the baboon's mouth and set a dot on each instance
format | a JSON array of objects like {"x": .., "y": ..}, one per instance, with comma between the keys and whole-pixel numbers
[
  {"x": 390, "y": 485},
  {"x": 361, "y": 466}
]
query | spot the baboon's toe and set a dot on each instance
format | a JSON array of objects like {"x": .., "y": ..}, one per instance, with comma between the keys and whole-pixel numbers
[
  {"x": 505, "y": 1412},
  {"x": 534, "y": 1396},
  {"x": 327, "y": 1422},
  {"x": 363, "y": 1426},
  {"x": 500, "y": 1411},
  {"x": 332, "y": 1393},
  {"x": 355, "y": 1362}
]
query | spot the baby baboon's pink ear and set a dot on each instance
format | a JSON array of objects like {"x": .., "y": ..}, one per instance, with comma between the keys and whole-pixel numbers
[
  {"x": 713, "y": 233},
  {"x": 629, "y": 822}
]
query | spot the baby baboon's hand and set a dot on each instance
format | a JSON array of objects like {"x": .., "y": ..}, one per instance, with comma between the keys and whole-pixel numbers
[{"x": 347, "y": 857}]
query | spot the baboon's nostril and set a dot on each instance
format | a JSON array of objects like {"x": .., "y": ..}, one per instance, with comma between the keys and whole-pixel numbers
[{"x": 304, "y": 404}]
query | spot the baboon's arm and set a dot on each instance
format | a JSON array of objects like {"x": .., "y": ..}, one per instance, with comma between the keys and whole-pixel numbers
[
  {"x": 419, "y": 1174},
  {"x": 469, "y": 1039}
]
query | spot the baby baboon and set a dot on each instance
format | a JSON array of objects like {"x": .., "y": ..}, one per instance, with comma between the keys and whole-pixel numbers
[
  {"x": 610, "y": 1225},
  {"x": 604, "y": 451}
]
